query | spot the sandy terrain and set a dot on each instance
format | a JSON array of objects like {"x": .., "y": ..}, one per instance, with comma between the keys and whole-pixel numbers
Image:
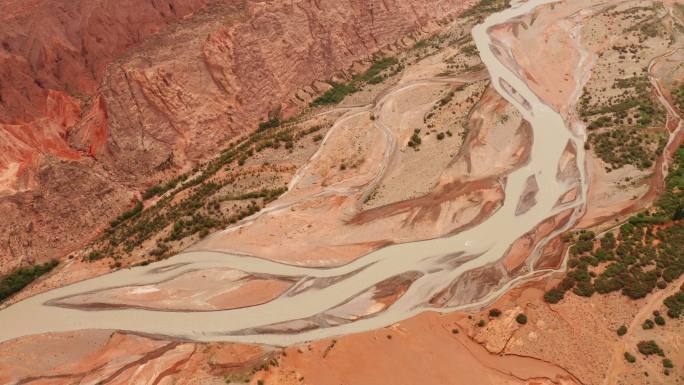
[
  {"x": 447, "y": 190},
  {"x": 195, "y": 291}
]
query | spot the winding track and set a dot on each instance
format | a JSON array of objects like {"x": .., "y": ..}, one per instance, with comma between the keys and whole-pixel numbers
[{"x": 475, "y": 248}]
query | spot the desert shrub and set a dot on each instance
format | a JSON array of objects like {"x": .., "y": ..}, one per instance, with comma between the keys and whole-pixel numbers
[
  {"x": 622, "y": 330},
  {"x": 675, "y": 304},
  {"x": 608, "y": 241},
  {"x": 336, "y": 94},
  {"x": 630, "y": 358},
  {"x": 583, "y": 246},
  {"x": 153, "y": 191},
  {"x": 494, "y": 313},
  {"x": 485, "y": 7},
  {"x": 648, "y": 324},
  {"x": 340, "y": 90},
  {"x": 94, "y": 256},
  {"x": 372, "y": 74},
  {"x": 648, "y": 348},
  {"x": 415, "y": 140},
  {"x": 667, "y": 363},
  {"x": 272, "y": 122},
  {"x": 584, "y": 289},
  {"x": 521, "y": 319},
  {"x": 554, "y": 295},
  {"x": 137, "y": 209},
  {"x": 659, "y": 320}
]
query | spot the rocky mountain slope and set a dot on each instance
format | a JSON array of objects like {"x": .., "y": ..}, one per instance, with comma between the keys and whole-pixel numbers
[{"x": 98, "y": 100}]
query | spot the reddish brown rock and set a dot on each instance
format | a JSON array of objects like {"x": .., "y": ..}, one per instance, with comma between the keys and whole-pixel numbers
[{"x": 95, "y": 96}]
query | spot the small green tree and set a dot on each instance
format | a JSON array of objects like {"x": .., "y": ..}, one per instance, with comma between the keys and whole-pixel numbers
[
  {"x": 622, "y": 330},
  {"x": 521, "y": 319},
  {"x": 647, "y": 325},
  {"x": 554, "y": 295},
  {"x": 630, "y": 358}
]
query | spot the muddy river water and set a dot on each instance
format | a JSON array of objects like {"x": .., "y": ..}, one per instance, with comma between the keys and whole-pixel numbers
[{"x": 441, "y": 261}]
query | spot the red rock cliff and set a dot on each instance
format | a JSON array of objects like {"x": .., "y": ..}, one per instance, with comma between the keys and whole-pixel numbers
[{"x": 95, "y": 95}]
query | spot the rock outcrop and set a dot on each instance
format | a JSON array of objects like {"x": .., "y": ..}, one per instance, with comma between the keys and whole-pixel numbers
[{"x": 98, "y": 99}]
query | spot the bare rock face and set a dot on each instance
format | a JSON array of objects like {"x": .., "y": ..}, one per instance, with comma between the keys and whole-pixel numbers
[{"x": 100, "y": 98}]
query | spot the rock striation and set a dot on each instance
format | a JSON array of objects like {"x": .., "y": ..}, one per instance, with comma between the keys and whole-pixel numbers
[{"x": 100, "y": 99}]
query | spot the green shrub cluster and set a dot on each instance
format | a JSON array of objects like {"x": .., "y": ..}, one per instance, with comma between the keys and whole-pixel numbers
[
  {"x": 137, "y": 209},
  {"x": 161, "y": 189},
  {"x": 628, "y": 145},
  {"x": 485, "y": 7},
  {"x": 648, "y": 348},
  {"x": 648, "y": 324},
  {"x": 626, "y": 139},
  {"x": 22, "y": 277},
  {"x": 340, "y": 90},
  {"x": 415, "y": 140},
  {"x": 675, "y": 304},
  {"x": 644, "y": 255},
  {"x": 521, "y": 319},
  {"x": 622, "y": 330},
  {"x": 336, "y": 94}
]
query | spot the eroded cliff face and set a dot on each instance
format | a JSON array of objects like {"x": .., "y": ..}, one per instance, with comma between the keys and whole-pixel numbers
[{"x": 98, "y": 99}]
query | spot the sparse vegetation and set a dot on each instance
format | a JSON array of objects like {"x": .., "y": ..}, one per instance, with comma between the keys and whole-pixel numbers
[
  {"x": 137, "y": 209},
  {"x": 644, "y": 255},
  {"x": 623, "y": 146},
  {"x": 192, "y": 203}
]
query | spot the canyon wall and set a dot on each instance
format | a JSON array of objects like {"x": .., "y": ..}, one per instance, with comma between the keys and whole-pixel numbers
[{"x": 99, "y": 99}]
